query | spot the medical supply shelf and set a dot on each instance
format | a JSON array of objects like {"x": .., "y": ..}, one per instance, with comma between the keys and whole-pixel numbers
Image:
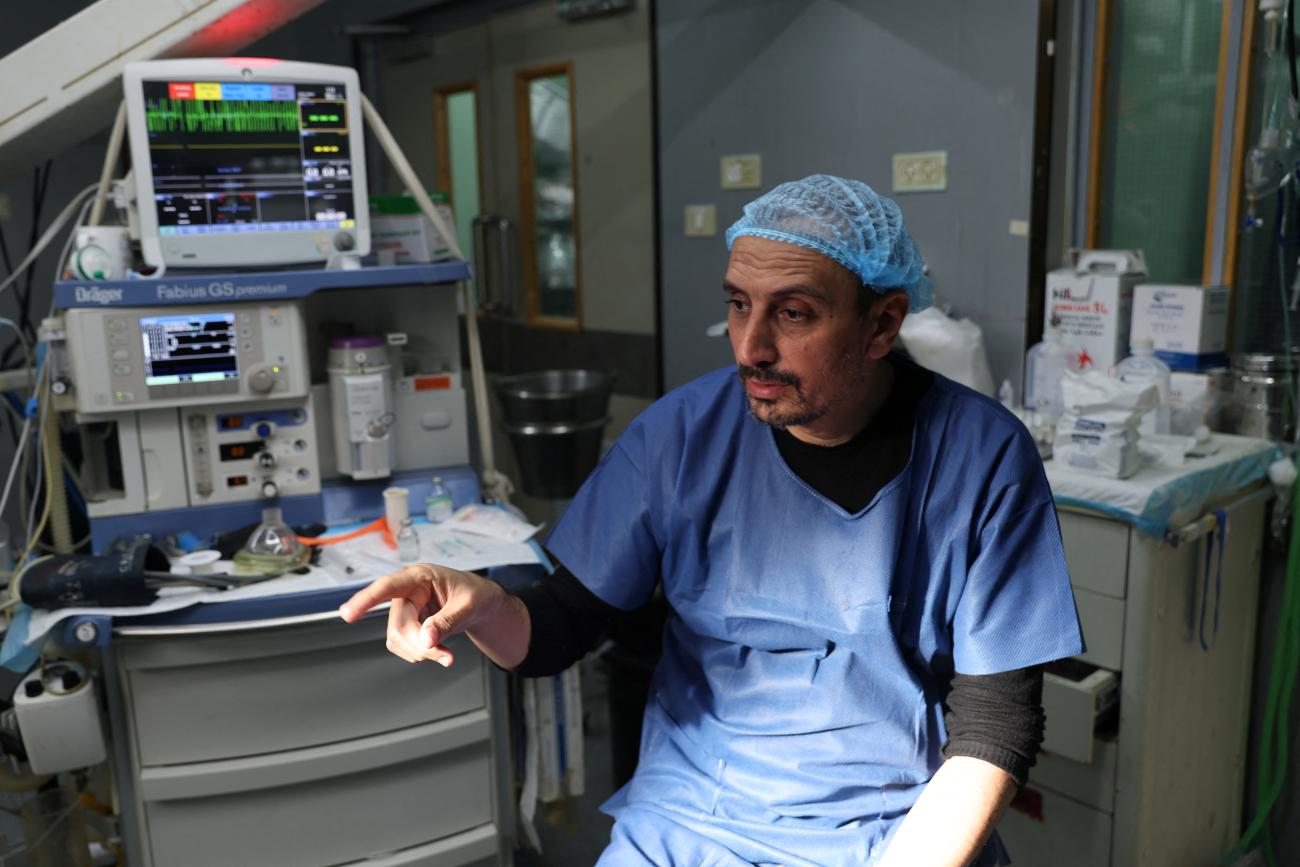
[
  {"x": 224, "y": 288},
  {"x": 305, "y": 744},
  {"x": 1162, "y": 785}
]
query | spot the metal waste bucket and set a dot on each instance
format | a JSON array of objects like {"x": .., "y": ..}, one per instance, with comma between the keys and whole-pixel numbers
[
  {"x": 1262, "y": 403},
  {"x": 556, "y": 421}
]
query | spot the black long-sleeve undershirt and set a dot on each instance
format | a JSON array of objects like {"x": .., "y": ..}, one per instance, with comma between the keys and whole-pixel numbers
[{"x": 997, "y": 718}]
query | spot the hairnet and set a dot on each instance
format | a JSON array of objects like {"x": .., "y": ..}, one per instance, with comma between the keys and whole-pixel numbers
[{"x": 846, "y": 221}]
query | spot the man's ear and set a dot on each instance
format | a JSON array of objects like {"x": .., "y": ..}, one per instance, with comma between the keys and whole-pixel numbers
[{"x": 886, "y": 318}]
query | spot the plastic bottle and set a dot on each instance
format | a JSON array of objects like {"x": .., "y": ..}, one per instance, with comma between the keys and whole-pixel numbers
[
  {"x": 408, "y": 544},
  {"x": 1143, "y": 367},
  {"x": 1045, "y": 366},
  {"x": 437, "y": 505},
  {"x": 1007, "y": 394}
]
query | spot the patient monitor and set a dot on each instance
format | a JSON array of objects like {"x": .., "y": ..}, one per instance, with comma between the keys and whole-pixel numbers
[{"x": 246, "y": 162}]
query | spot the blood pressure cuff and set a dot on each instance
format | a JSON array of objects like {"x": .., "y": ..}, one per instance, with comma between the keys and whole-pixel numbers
[{"x": 106, "y": 580}]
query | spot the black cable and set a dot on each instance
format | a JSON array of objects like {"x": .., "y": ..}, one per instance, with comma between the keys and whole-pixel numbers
[
  {"x": 23, "y": 290},
  {"x": 4, "y": 252},
  {"x": 44, "y": 185}
]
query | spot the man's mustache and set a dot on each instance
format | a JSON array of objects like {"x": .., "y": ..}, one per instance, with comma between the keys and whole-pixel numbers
[{"x": 764, "y": 374}]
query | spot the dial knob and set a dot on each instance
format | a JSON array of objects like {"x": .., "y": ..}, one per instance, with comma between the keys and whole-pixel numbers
[
  {"x": 262, "y": 380},
  {"x": 264, "y": 429},
  {"x": 270, "y": 489},
  {"x": 266, "y": 460}
]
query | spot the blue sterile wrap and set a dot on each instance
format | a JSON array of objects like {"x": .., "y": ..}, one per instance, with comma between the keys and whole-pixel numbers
[{"x": 1159, "y": 497}]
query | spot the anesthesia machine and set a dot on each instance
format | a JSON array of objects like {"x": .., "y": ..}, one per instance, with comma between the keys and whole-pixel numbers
[
  {"x": 223, "y": 346},
  {"x": 200, "y": 397}
]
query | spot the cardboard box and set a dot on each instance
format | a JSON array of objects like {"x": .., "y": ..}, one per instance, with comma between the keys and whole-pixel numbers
[
  {"x": 1197, "y": 399},
  {"x": 1092, "y": 304},
  {"x": 400, "y": 232},
  {"x": 1187, "y": 324}
]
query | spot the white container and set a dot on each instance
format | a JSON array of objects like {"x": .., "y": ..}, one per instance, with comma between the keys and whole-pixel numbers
[
  {"x": 1092, "y": 303},
  {"x": 1143, "y": 368},
  {"x": 397, "y": 508},
  {"x": 58, "y": 719},
  {"x": 410, "y": 238},
  {"x": 1188, "y": 325},
  {"x": 1045, "y": 365}
]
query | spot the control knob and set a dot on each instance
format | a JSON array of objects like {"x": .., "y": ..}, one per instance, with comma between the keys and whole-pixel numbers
[
  {"x": 262, "y": 379},
  {"x": 270, "y": 489},
  {"x": 264, "y": 429},
  {"x": 265, "y": 460}
]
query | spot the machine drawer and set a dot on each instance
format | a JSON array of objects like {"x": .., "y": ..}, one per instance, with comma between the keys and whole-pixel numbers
[
  {"x": 1091, "y": 783},
  {"x": 326, "y": 805},
  {"x": 1096, "y": 552},
  {"x": 1044, "y": 829},
  {"x": 1075, "y": 697},
  {"x": 1102, "y": 620},
  {"x": 476, "y": 848},
  {"x": 210, "y": 697}
]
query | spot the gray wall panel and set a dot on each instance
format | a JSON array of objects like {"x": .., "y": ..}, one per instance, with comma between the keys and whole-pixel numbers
[{"x": 840, "y": 87}]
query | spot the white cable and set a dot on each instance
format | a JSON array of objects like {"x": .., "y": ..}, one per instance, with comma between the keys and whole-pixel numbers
[
  {"x": 22, "y": 340},
  {"x": 13, "y": 467},
  {"x": 110, "y": 160},
  {"x": 59, "y": 221},
  {"x": 497, "y": 487}
]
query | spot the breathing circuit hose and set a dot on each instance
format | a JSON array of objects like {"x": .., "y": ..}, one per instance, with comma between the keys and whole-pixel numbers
[
  {"x": 52, "y": 451},
  {"x": 1274, "y": 745}
]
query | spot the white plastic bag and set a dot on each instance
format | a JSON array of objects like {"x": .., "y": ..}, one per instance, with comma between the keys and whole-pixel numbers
[
  {"x": 1092, "y": 393},
  {"x": 1098, "y": 432},
  {"x": 952, "y": 347}
]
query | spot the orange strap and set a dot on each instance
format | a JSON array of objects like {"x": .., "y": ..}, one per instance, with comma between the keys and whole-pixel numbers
[{"x": 379, "y": 525}]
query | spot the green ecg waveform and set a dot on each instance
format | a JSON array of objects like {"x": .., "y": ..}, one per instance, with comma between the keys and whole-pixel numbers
[{"x": 225, "y": 115}]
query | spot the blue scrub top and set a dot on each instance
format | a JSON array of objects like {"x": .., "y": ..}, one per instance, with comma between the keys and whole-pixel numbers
[{"x": 795, "y": 715}]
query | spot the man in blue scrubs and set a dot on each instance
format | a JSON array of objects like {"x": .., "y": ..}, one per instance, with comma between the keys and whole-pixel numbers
[{"x": 861, "y": 559}]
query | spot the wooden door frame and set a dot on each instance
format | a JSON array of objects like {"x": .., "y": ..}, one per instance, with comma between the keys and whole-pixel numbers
[
  {"x": 1096, "y": 131},
  {"x": 527, "y": 225}
]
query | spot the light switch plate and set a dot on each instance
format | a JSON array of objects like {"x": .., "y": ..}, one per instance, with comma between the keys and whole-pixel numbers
[
  {"x": 921, "y": 172},
  {"x": 701, "y": 221},
  {"x": 742, "y": 172}
]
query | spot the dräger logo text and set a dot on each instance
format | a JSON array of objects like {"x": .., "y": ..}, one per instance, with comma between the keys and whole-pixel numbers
[{"x": 97, "y": 295}]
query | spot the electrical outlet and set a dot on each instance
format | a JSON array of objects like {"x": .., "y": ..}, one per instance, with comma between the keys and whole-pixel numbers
[
  {"x": 701, "y": 221},
  {"x": 742, "y": 172},
  {"x": 921, "y": 172}
]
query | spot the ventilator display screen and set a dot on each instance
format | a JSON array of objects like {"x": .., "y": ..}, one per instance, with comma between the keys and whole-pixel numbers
[
  {"x": 248, "y": 157},
  {"x": 196, "y": 347}
]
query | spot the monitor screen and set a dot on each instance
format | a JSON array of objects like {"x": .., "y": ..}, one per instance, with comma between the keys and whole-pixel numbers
[
  {"x": 231, "y": 157},
  {"x": 195, "y": 347}
]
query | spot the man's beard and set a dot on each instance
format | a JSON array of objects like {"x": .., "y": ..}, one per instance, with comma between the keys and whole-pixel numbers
[
  {"x": 765, "y": 411},
  {"x": 804, "y": 411}
]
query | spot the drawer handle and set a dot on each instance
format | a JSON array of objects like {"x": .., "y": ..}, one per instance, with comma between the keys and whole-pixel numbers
[{"x": 240, "y": 625}]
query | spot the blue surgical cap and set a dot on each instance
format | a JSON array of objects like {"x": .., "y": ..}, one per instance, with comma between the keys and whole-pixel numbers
[{"x": 847, "y": 222}]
